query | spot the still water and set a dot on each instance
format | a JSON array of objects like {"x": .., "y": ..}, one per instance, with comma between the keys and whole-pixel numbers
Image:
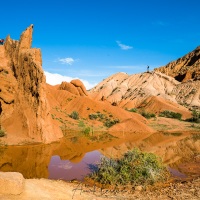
[
  {"x": 66, "y": 170},
  {"x": 70, "y": 158}
]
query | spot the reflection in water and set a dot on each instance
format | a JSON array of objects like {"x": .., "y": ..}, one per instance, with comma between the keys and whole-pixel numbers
[
  {"x": 66, "y": 170},
  {"x": 69, "y": 159},
  {"x": 176, "y": 173}
]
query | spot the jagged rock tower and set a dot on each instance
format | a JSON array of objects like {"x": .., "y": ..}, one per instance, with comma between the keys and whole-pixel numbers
[{"x": 25, "y": 110}]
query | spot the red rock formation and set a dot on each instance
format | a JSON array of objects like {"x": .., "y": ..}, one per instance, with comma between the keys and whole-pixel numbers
[
  {"x": 185, "y": 68},
  {"x": 23, "y": 98},
  {"x": 69, "y": 87},
  {"x": 80, "y": 86},
  {"x": 75, "y": 87}
]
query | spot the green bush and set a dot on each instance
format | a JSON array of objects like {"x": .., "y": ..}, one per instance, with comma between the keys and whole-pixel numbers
[
  {"x": 2, "y": 133},
  {"x": 81, "y": 124},
  {"x": 131, "y": 110},
  {"x": 147, "y": 115},
  {"x": 96, "y": 115},
  {"x": 109, "y": 122},
  {"x": 170, "y": 114},
  {"x": 195, "y": 117},
  {"x": 74, "y": 115},
  {"x": 93, "y": 116},
  {"x": 176, "y": 134},
  {"x": 86, "y": 131},
  {"x": 135, "y": 168}
]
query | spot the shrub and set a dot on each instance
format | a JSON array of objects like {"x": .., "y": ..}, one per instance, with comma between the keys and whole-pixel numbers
[
  {"x": 147, "y": 115},
  {"x": 195, "y": 117},
  {"x": 170, "y": 114},
  {"x": 109, "y": 122},
  {"x": 93, "y": 116},
  {"x": 2, "y": 133},
  {"x": 86, "y": 131},
  {"x": 81, "y": 124},
  {"x": 96, "y": 115},
  {"x": 131, "y": 110},
  {"x": 74, "y": 115},
  {"x": 135, "y": 168},
  {"x": 196, "y": 136},
  {"x": 176, "y": 134}
]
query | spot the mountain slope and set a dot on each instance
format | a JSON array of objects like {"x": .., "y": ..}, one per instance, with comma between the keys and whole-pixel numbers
[
  {"x": 185, "y": 68},
  {"x": 133, "y": 91}
]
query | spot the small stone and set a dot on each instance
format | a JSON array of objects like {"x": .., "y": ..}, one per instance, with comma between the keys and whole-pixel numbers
[{"x": 138, "y": 188}]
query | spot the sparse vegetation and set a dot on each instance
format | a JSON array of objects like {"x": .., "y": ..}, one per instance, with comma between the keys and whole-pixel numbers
[
  {"x": 132, "y": 110},
  {"x": 147, "y": 115},
  {"x": 109, "y": 122},
  {"x": 173, "y": 133},
  {"x": 2, "y": 133},
  {"x": 176, "y": 134},
  {"x": 81, "y": 123},
  {"x": 196, "y": 136},
  {"x": 195, "y": 117},
  {"x": 74, "y": 115},
  {"x": 170, "y": 114},
  {"x": 86, "y": 131},
  {"x": 93, "y": 116},
  {"x": 96, "y": 115},
  {"x": 135, "y": 168}
]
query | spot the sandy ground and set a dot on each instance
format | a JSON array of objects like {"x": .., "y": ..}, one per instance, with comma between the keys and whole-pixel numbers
[{"x": 58, "y": 190}]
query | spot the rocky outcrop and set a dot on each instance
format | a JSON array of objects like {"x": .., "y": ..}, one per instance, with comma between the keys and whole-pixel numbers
[
  {"x": 24, "y": 105},
  {"x": 185, "y": 68},
  {"x": 75, "y": 87}
]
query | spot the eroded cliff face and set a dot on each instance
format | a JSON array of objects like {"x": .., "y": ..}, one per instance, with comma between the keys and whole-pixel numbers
[
  {"x": 185, "y": 68},
  {"x": 25, "y": 110}
]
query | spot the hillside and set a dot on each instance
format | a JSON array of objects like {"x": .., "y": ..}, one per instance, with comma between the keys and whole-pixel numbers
[
  {"x": 185, "y": 68},
  {"x": 153, "y": 91},
  {"x": 33, "y": 111}
]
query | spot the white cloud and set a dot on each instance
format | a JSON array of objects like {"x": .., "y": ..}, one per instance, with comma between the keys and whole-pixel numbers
[
  {"x": 68, "y": 61},
  {"x": 54, "y": 79},
  {"x": 123, "y": 46}
]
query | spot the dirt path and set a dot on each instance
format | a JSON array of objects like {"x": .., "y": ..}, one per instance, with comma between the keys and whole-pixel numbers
[{"x": 58, "y": 190}]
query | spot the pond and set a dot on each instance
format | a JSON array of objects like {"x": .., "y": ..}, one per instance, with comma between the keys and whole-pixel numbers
[
  {"x": 66, "y": 170},
  {"x": 70, "y": 158}
]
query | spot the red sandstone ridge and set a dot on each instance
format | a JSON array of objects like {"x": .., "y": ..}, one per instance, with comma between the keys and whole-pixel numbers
[
  {"x": 25, "y": 109},
  {"x": 185, "y": 68}
]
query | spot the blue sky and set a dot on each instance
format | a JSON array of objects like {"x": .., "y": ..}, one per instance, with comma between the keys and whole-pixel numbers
[{"x": 93, "y": 39}]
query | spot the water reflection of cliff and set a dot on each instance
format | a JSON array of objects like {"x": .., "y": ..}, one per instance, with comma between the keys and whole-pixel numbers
[
  {"x": 171, "y": 148},
  {"x": 32, "y": 161}
]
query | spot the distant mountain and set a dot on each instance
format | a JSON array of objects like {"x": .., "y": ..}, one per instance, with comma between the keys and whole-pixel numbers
[{"x": 185, "y": 68}]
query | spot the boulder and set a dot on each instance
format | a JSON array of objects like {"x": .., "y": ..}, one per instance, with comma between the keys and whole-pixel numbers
[
  {"x": 68, "y": 87},
  {"x": 11, "y": 183},
  {"x": 77, "y": 83}
]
